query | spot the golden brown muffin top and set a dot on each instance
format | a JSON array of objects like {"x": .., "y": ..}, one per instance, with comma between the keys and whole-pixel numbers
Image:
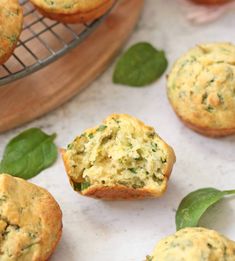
[
  {"x": 194, "y": 244},
  {"x": 30, "y": 221},
  {"x": 201, "y": 86},
  {"x": 11, "y": 18},
  {"x": 69, "y": 6},
  {"x": 121, "y": 152}
]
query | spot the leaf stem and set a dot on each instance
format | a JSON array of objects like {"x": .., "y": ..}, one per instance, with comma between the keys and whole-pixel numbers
[{"x": 229, "y": 192}]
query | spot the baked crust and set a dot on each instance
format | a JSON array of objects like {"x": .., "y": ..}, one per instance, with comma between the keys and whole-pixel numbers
[
  {"x": 11, "y": 20},
  {"x": 81, "y": 12},
  {"x": 209, "y": 132},
  {"x": 201, "y": 89},
  {"x": 194, "y": 243},
  {"x": 31, "y": 218},
  {"x": 120, "y": 192}
]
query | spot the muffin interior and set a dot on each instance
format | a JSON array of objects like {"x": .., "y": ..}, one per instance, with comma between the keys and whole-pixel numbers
[{"x": 122, "y": 151}]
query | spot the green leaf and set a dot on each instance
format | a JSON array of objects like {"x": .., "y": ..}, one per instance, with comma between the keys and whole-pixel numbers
[
  {"x": 101, "y": 128},
  {"x": 195, "y": 204},
  {"x": 85, "y": 185},
  {"x": 28, "y": 154},
  {"x": 133, "y": 170},
  {"x": 81, "y": 185},
  {"x": 140, "y": 65},
  {"x": 91, "y": 136},
  {"x": 77, "y": 186}
]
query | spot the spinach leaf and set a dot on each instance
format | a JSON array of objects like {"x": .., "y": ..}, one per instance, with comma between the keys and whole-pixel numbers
[
  {"x": 81, "y": 186},
  {"x": 140, "y": 65},
  {"x": 28, "y": 154},
  {"x": 85, "y": 185},
  {"x": 101, "y": 128},
  {"x": 195, "y": 204}
]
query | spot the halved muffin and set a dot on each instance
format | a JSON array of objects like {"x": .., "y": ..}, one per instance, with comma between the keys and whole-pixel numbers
[
  {"x": 73, "y": 11},
  {"x": 30, "y": 221},
  {"x": 120, "y": 159},
  {"x": 194, "y": 244},
  {"x": 11, "y": 19},
  {"x": 201, "y": 89}
]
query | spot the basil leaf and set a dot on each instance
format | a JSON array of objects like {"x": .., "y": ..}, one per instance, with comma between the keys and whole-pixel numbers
[
  {"x": 28, "y": 154},
  {"x": 140, "y": 65},
  {"x": 195, "y": 204}
]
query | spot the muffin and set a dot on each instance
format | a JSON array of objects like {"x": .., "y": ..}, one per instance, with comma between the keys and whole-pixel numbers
[
  {"x": 30, "y": 221},
  {"x": 120, "y": 159},
  {"x": 11, "y": 17},
  {"x": 194, "y": 244},
  {"x": 201, "y": 89},
  {"x": 73, "y": 11}
]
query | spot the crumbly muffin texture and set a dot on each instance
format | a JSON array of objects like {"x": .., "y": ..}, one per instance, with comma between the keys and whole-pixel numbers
[
  {"x": 120, "y": 152},
  {"x": 194, "y": 244},
  {"x": 30, "y": 221},
  {"x": 11, "y": 18},
  {"x": 201, "y": 88}
]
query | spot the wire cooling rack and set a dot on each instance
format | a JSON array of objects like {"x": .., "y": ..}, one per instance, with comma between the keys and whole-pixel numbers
[{"x": 42, "y": 41}]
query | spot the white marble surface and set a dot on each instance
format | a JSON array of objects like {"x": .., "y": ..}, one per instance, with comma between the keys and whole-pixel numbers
[{"x": 127, "y": 231}]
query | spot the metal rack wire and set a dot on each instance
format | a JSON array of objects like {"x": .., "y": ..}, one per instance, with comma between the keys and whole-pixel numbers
[{"x": 42, "y": 41}]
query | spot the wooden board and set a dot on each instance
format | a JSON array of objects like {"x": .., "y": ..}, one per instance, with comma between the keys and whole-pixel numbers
[{"x": 43, "y": 91}]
